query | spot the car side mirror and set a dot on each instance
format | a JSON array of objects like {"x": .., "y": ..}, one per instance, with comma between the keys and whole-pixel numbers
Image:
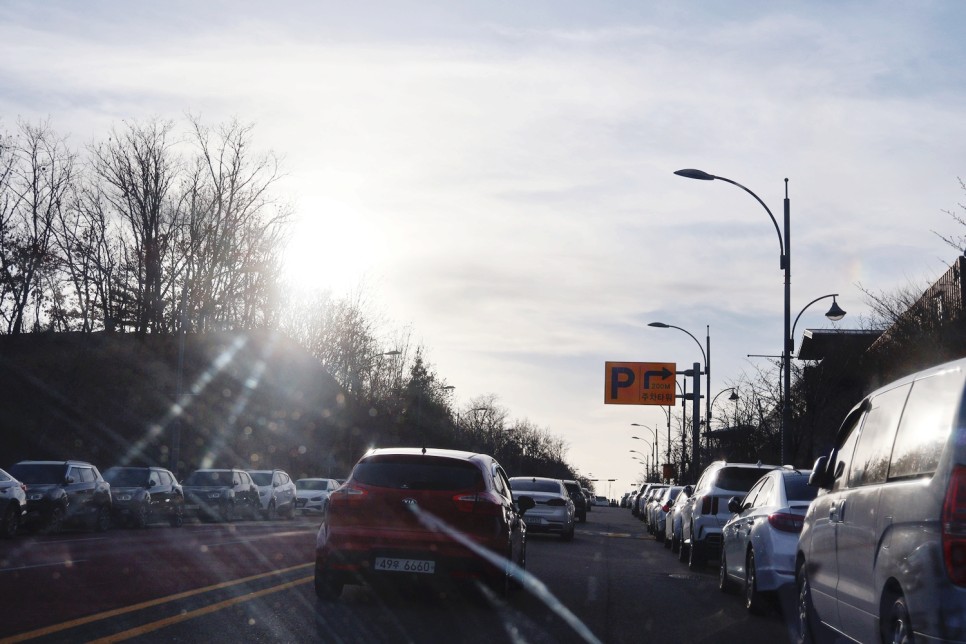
[
  {"x": 525, "y": 503},
  {"x": 734, "y": 505},
  {"x": 69, "y": 479},
  {"x": 819, "y": 476},
  {"x": 689, "y": 490}
]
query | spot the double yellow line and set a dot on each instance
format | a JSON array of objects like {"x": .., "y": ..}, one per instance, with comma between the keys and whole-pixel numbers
[{"x": 168, "y": 621}]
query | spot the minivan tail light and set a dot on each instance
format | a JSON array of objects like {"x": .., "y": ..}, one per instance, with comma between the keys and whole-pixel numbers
[
  {"x": 786, "y": 522},
  {"x": 954, "y": 527},
  {"x": 706, "y": 504}
]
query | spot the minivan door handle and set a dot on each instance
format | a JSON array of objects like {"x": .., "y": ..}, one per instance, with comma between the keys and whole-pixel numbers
[{"x": 836, "y": 511}]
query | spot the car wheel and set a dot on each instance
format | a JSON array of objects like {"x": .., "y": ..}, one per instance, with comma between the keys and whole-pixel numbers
[
  {"x": 228, "y": 512},
  {"x": 896, "y": 626},
  {"x": 659, "y": 536},
  {"x": 272, "y": 513},
  {"x": 141, "y": 517},
  {"x": 754, "y": 602},
  {"x": 55, "y": 521},
  {"x": 683, "y": 550},
  {"x": 102, "y": 521},
  {"x": 11, "y": 521},
  {"x": 668, "y": 542},
  {"x": 806, "y": 631},
  {"x": 569, "y": 535},
  {"x": 695, "y": 554},
  {"x": 328, "y": 587},
  {"x": 177, "y": 519},
  {"x": 724, "y": 581}
]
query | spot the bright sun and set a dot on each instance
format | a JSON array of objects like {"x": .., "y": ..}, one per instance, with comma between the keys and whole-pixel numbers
[{"x": 330, "y": 248}]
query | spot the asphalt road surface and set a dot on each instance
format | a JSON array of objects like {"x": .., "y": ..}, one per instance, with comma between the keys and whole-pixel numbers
[{"x": 252, "y": 581}]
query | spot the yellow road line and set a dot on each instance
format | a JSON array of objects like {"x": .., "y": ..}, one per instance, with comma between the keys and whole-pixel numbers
[
  {"x": 162, "y": 623},
  {"x": 56, "y": 628}
]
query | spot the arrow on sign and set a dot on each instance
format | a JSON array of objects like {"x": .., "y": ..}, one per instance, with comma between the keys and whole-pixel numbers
[{"x": 663, "y": 374}]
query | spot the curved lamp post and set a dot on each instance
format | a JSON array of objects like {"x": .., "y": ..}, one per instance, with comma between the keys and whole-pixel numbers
[
  {"x": 785, "y": 262},
  {"x": 696, "y": 438},
  {"x": 835, "y": 313},
  {"x": 733, "y": 397},
  {"x": 654, "y": 446}
]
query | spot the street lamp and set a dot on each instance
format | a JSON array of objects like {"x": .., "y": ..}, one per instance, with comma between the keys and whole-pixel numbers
[
  {"x": 785, "y": 262},
  {"x": 653, "y": 431},
  {"x": 835, "y": 313},
  {"x": 733, "y": 398},
  {"x": 696, "y": 438}
]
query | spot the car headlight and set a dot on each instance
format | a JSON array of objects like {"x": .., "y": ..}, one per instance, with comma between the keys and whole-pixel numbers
[{"x": 36, "y": 496}]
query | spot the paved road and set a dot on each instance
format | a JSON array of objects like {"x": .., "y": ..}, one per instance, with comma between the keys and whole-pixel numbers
[{"x": 251, "y": 581}]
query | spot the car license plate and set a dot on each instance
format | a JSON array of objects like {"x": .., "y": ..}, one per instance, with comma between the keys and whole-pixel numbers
[{"x": 392, "y": 564}]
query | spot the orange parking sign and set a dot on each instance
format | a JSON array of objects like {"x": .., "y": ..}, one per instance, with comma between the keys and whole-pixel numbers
[{"x": 639, "y": 383}]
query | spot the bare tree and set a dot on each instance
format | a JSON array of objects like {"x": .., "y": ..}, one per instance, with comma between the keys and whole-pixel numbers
[
  {"x": 137, "y": 169},
  {"x": 34, "y": 178}
]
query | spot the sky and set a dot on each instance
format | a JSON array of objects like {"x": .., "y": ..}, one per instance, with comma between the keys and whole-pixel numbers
[{"x": 499, "y": 175}]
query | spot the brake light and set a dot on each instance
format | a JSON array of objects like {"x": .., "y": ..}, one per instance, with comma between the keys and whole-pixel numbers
[
  {"x": 666, "y": 507},
  {"x": 706, "y": 504},
  {"x": 954, "y": 527},
  {"x": 480, "y": 503},
  {"x": 786, "y": 522}
]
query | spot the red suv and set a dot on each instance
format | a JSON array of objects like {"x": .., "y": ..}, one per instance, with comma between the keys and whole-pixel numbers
[{"x": 410, "y": 513}]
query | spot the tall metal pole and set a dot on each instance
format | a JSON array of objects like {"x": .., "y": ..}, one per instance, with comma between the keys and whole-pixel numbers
[
  {"x": 695, "y": 424},
  {"x": 786, "y": 397}
]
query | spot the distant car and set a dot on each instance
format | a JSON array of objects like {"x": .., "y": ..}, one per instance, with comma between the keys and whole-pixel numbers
[
  {"x": 312, "y": 495},
  {"x": 590, "y": 498},
  {"x": 707, "y": 509},
  {"x": 673, "y": 520},
  {"x": 580, "y": 501},
  {"x": 759, "y": 542},
  {"x": 553, "y": 511},
  {"x": 142, "y": 495},
  {"x": 221, "y": 495},
  {"x": 276, "y": 493},
  {"x": 13, "y": 505},
  {"x": 601, "y": 501},
  {"x": 662, "y": 509},
  {"x": 63, "y": 493},
  {"x": 411, "y": 513}
]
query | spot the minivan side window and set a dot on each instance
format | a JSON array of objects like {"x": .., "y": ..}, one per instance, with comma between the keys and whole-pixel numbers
[
  {"x": 870, "y": 464},
  {"x": 930, "y": 412},
  {"x": 843, "y": 455}
]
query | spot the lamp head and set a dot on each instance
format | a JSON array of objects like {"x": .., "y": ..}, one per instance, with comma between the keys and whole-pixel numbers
[
  {"x": 734, "y": 395},
  {"x": 691, "y": 173},
  {"x": 659, "y": 325},
  {"x": 835, "y": 312}
]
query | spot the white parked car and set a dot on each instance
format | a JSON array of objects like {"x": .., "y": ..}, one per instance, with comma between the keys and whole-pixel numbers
[
  {"x": 760, "y": 541},
  {"x": 276, "y": 493},
  {"x": 313, "y": 494},
  {"x": 553, "y": 509}
]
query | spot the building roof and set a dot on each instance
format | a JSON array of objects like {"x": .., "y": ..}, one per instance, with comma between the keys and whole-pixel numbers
[{"x": 817, "y": 344}]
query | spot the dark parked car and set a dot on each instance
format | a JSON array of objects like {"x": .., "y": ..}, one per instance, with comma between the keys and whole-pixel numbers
[
  {"x": 421, "y": 514},
  {"x": 580, "y": 501},
  {"x": 13, "y": 504},
  {"x": 144, "y": 495},
  {"x": 61, "y": 493},
  {"x": 221, "y": 495}
]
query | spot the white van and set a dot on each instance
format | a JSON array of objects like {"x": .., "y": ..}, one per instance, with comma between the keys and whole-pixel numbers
[{"x": 882, "y": 555}]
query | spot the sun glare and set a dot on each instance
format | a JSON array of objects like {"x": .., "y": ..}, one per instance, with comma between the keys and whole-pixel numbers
[{"x": 331, "y": 248}]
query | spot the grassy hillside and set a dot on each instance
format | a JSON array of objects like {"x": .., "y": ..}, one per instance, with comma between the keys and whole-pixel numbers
[{"x": 249, "y": 400}]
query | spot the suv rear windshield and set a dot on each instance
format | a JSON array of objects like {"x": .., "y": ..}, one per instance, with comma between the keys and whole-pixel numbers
[
  {"x": 34, "y": 473},
  {"x": 418, "y": 473},
  {"x": 213, "y": 478},
  {"x": 261, "y": 478},
  {"x": 127, "y": 476},
  {"x": 738, "y": 479}
]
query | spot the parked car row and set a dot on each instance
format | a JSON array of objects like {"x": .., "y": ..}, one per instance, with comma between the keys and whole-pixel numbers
[
  {"x": 47, "y": 496},
  {"x": 872, "y": 539}
]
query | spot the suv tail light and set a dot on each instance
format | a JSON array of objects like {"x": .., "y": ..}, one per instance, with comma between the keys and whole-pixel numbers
[
  {"x": 786, "y": 522},
  {"x": 666, "y": 508},
  {"x": 556, "y": 501},
  {"x": 954, "y": 527},
  {"x": 706, "y": 504},
  {"x": 480, "y": 503}
]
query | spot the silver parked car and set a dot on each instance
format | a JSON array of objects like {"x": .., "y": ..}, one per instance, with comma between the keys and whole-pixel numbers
[
  {"x": 13, "y": 504},
  {"x": 760, "y": 540},
  {"x": 553, "y": 509},
  {"x": 276, "y": 493},
  {"x": 312, "y": 495},
  {"x": 882, "y": 554}
]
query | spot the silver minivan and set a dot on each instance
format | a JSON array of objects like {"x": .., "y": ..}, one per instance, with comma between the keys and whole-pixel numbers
[{"x": 882, "y": 555}]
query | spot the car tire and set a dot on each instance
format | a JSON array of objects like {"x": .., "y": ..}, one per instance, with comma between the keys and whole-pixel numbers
[
  {"x": 328, "y": 587},
  {"x": 569, "y": 535},
  {"x": 683, "y": 550},
  {"x": 177, "y": 519},
  {"x": 140, "y": 518},
  {"x": 11, "y": 521},
  {"x": 102, "y": 520},
  {"x": 808, "y": 627},
  {"x": 754, "y": 602},
  {"x": 55, "y": 521},
  {"x": 228, "y": 513},
  {"x": 659, "y": 536},
  {"x": 725, "y": 584},
  {"x": 271, "y": 514},
  {"x": 896, "y": 625},
  {"x": 695, "y": 554},
  {"x": 668, "y": 542}
]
